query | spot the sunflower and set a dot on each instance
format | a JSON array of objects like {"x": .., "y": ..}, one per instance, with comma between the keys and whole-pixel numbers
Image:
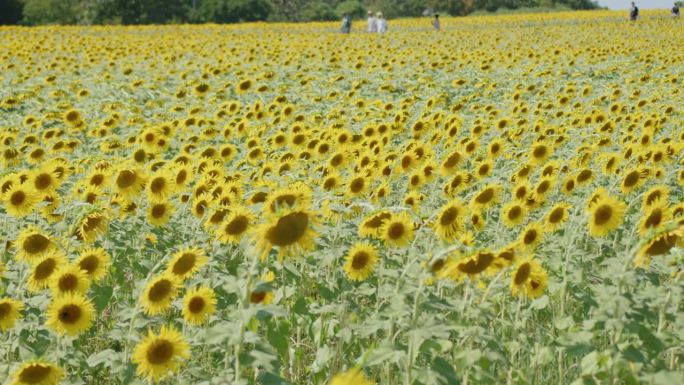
[
  {"x": 528, "y": 278},
  {"x": 159, "y": 294},
  {"x": 235, "y": 225},
  {"x": 632, "y": 179},
  {"x": 470, "y": 266},
  {"x": 159, "y": 213},
  {"x": 161, "y": 185},
  {"x": 69, "y": 278},
  {"x": 20, "y": 200},
  {"x": 539, "y": 153},
  {"x": 292, "y": 231},
  {"x": 357, "y": 186},
  {"x": 370, "y": 227},
  {"x": 654, "y": 195},
  {"x": 353, "y": 376},
  {"x": 660, "y": 242},
  {"x": 486, "y": 197},
  {"x": 261, "y": 297},
  {"x": 557, "y": 216},
  {"x": 93, "y": 225},
  {"x": 158, "y": 354},
  {"x": 198, "y": 304},
  {"x": 296, "y": 196},
  {"x": 398, "y": 230},
  {"x": 95, "y": 262},
  {"x": 513, "y": 214},
  {"x": 360, "y": 261},
  {"x": 449, "y": 221},
  {"x": 655, "y": 215},
  {"x": 10, "y": 311},
  {"x": 605, "y": 215},
  {"x": 544, "y": 188},
  {"x": 531, "y": 237},
  {"x": 38, "y": 373},
  {"x": 42, "y": 271},
  {"x": 186, "y": 262},
  {"x": 43, "y": 181},
  {"x": 33, "y": 243},
  {"x": 129, "y": 182},
  {"x": 70, "y": 313}
]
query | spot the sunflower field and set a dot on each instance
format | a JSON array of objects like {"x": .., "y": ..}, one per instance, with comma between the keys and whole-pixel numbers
[{"x": 499, "y": 202}]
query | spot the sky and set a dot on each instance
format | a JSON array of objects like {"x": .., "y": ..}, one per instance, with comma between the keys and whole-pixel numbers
[{"x": 642, "y": 4}]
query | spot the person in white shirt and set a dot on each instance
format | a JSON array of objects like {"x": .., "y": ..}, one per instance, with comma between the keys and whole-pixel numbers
[
  {"x": 372, "y": 22},
  {"x": 382, "y": 23}
]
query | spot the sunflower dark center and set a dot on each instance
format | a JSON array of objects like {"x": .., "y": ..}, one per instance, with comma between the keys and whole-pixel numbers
[
  {"x": 522, "y": 274},
  {"x": 125, "y": 179},
  {"x": 360, "y": 260},
  {"x": 69, "y": 314},
  {"x": 160, "y": 352},
  {"x": 196, "y": 305},
  {"x": 34, "y": 374},
  {"x": 184, "y": 264},
  {"x": 36, "y": 243},
  {"x": 68, "y": 282},
  {"x": 44, "y": 269},
  {"x": 603, "y": 215},
  {"x": 237, "y": 226},
  {"x": 160, "y": 290},
  {"x": 288, "y": 230}
]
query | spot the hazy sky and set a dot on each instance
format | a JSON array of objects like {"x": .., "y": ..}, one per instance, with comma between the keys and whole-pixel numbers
[{"x": 643, "y": 4}]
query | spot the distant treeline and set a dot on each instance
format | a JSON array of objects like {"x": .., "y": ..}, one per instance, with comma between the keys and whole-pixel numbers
[{"x": 34, "y": 12}]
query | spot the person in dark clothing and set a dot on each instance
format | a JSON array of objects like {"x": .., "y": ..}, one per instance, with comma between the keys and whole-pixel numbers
[
  {"x": 675, "y": 11},
  {"x": 346, "y": 23},
  {"x": 633, "y": 12}
]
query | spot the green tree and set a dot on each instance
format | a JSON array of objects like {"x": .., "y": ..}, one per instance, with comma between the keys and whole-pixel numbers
[
  {"x": 10, "y": 11},
  {"x": 317, "y": 10},
  {"x": 352, "y": 7},
  {"x": 232, "y": 11},
  {"x": 51, "y": 11}
]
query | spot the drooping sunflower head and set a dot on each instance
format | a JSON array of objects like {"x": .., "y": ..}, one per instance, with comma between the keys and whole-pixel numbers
[
  {"x": 659, "y": 242},
  {"x": 370, "y": 227}
]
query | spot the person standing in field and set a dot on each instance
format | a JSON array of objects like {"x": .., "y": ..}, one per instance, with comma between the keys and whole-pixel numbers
[
  {"x": 675, "y": 11},
  {"x": 372, "y": 23},
  {"x": 382, "y": 23},
  {"x": 435, "y": 22},
  {"x": 633, "y": 12},
  {"x": 346, "y": 23}
]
